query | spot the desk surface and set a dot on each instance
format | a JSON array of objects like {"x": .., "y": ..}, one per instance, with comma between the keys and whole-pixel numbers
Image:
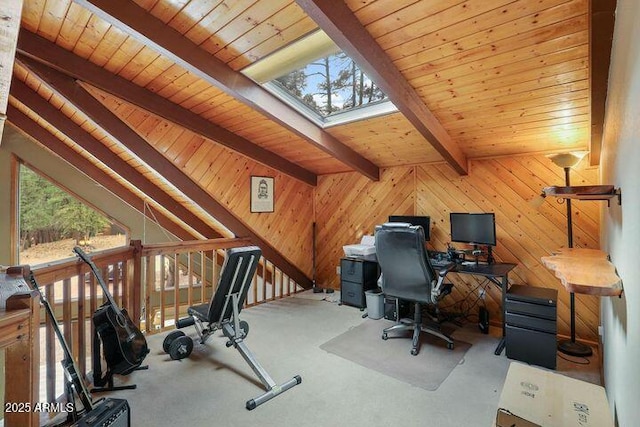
[
  {"x": 489, "y": 270},
  {"x": 497, "y": 269}
]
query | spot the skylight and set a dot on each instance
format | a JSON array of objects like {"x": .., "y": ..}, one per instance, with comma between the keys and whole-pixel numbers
[{"x": 321, "y": 82}]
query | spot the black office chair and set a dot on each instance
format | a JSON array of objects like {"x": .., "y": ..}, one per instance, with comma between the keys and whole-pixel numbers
[
  {"x": 407, "y": 274},
  {"x": 222, "y": 312}
]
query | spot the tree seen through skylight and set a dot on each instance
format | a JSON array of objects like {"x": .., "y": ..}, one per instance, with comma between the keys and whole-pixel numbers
[{"x": 331, "y": 84}]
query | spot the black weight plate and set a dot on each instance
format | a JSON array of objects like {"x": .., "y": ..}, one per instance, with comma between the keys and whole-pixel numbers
[
  {"x": 170, "y": 338},
  {"x": 244, "y": 326},
  {"x": 181, "y": 347}
]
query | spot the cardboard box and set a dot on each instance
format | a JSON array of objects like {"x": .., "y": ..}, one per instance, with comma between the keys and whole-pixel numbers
[{"x": 534, "y": 397}]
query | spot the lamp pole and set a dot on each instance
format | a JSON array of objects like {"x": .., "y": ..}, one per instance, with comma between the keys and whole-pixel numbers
[{"x": 572, "y": 347}]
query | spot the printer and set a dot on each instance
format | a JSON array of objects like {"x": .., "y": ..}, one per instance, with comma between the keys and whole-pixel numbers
[{"x": 366, "y": 249}]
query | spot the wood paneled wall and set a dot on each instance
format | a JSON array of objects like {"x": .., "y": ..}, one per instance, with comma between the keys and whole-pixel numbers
[
  {"x": 226, "y": 176},
  {"x": 528, "y": 227}
]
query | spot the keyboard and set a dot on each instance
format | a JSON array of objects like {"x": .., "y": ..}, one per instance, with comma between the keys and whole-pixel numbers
[{"x": 440, "y": 263}]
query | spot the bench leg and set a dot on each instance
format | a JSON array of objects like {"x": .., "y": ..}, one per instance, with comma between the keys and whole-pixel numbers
[{"x": 270, "y": 385}]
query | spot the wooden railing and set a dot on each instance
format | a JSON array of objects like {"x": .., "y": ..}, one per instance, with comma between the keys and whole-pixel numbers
[{"x": 156, "y": 283}]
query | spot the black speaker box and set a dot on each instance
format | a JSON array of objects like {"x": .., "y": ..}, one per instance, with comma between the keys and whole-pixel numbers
[
  {"x": 483, "y": 320},
  {"x": 107, "y": 413}
]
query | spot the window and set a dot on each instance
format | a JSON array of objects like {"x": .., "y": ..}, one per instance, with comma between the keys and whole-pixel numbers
[
  {"x": 52, "y": 222},
  {"x": 321, "y": 82}
]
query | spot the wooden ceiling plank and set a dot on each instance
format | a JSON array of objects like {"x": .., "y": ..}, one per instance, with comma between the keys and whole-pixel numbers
[
  {"x": 241, "y": 26},
  {"x": 519, "y": 47},
  {"x": 192, "y": 14},
  {"x": 266, "y": 47},
  {"x": 543, "y": 55},
  {"x": 55, "y": 13},
  {"x": 544, "y": 78},
  {"x": 102, "y": 117},
  {"x": 152, "y": 32},
  {"x": 9, "y": 29},
  {"x": 337, "y": 20},
  {"x": 36, "y": 47},
  {"x": 73, "y": 26},
  {"x": 32, "y": 13},
  {"x": 220, "y": 16},
  {"x": 268, "y": 27},
  {"x": 75, "y": 159},
  {"x": 63, "y": 124},
  {"x": 601, "y": 25},
  {"x": 376, "y": 10}
]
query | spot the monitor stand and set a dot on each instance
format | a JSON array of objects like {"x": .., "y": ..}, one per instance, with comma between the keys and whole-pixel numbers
[
  {"x": 490, "y": 259},
  {"x": 477, "y": 252}
]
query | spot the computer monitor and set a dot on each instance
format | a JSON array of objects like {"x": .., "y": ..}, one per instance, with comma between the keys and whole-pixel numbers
[
  {"x": 473, "y": 228},
  {"x": 424, "y": 221}
]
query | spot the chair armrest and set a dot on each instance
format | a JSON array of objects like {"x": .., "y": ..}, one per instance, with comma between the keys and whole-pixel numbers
[
  {"x": 445, "y": 271},
  {"x": 437, "y": 290}
]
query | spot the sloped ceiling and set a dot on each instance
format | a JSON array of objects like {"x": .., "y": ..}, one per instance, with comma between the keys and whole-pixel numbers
[{"x": 470, "y": 79}]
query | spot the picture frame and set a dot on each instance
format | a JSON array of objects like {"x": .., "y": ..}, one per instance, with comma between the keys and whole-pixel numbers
[{"x": 262, "y": 194}]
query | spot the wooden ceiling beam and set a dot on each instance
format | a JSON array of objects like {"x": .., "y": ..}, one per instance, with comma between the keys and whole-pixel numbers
[
  {"x": 150, "y": 31},
  {"x": 40, "y": 49},
  {"x": 75, "y": 159},
  {"x": 67, "y": 88},
  {"x": 338, "y": 21},
  {"x": 602, "y": 15},
  {"x": 9, "y": 28},
  {"x": 21, "y": 92}
]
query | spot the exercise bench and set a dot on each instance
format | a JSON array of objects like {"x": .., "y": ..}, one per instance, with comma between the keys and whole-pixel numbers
[{"x": 222, "y": 313}]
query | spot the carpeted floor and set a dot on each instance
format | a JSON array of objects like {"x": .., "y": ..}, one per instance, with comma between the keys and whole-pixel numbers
[
  {"x": 363, "y": 345},
  {"x": 212, "y": 386}
]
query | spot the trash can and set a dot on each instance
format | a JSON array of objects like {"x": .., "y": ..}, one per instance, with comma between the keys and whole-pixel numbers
[{"x": 375, "y": 304}]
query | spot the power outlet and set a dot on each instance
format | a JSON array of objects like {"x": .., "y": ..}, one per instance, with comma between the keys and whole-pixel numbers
[{"x": 338, "y": 270}]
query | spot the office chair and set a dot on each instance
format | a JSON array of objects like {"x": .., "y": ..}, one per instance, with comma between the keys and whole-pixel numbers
[
  {"x": 407, "y": 274},
  {"x": 222, "y": 312}
]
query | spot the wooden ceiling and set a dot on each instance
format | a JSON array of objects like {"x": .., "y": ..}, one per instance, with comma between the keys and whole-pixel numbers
[
  {"x": 500, "y": 77},
  {"x": 470, "y": 79}
]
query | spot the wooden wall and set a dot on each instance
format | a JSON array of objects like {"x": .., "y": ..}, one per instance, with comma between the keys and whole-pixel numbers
[
  {"x": 528, "y": 227},
  {"x": 226, "y": 176}
]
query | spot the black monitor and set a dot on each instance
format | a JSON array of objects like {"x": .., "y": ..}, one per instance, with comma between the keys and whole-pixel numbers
[
  {"x": 424, "y": 221},
  {"x": 473, "y": 228}
]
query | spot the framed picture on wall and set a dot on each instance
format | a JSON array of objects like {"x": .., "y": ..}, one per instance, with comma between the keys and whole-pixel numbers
[{"x": 262, "y": 193}]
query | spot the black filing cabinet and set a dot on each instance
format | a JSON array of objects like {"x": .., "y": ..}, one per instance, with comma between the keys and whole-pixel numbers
[
  {"x": 356, "y": 276},
  {"x": 530, "y": 316}
]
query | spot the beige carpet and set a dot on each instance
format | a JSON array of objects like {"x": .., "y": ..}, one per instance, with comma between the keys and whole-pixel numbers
[{"x": 363, "y": 345}]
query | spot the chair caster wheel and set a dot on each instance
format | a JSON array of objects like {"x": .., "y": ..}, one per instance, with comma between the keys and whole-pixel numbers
[
  {"x": 414, "y": 352},
  {"x": 180, "y": 348},
  {"x": 170, "y": 338},
  {"x": 385, "y": 336},
  {"x": 450, "y": 345},
  {"x": 229, "y": 343}
]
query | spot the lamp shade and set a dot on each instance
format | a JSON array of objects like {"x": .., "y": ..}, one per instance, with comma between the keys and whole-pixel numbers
[{"x": 567, "y": 160}]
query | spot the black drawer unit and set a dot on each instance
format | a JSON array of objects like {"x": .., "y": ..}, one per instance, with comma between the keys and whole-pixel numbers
[
  {"x": 356, "y": 277},
  {"x": 530, "y": 317}
]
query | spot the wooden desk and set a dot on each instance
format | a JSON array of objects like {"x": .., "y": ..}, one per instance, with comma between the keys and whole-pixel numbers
[
  {"x": 585, "y": 271},
  {"x": 19, "y": 336}
]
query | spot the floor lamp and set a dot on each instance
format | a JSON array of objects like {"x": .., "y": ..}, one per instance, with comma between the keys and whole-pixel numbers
[{"x": 571, "y": 346}]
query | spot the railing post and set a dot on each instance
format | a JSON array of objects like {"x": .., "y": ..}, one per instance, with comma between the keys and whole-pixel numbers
[{"x": 136, "y": 288}]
